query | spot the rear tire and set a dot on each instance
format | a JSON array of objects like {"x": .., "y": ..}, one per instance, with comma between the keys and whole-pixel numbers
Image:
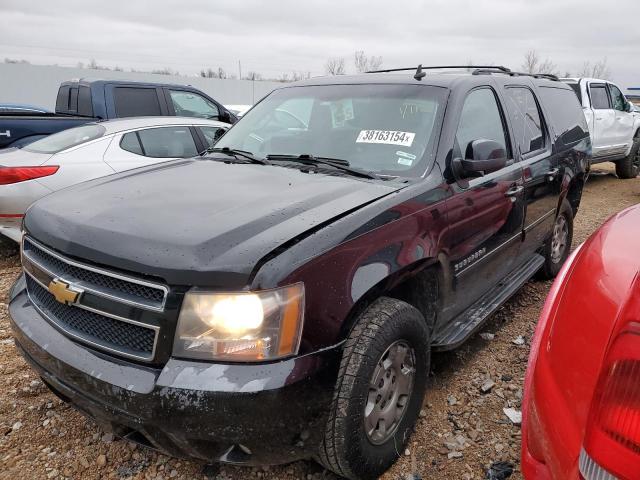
[
  {"x": 629, "y": 167},
  {"x": 558, "y": 246},
  {"x": 375, "y": 404}
]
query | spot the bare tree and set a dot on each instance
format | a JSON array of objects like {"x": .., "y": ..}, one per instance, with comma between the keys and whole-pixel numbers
[
  {"x": 164, "y": 71},
  {"x": 534, "y": 64},
  {"x": 600, "y": 69},
  {"x": 295, "y": 76},
  {"x": 253, "y": 76},
  {"x": 531, "y": 61},
  {"x": 13, "y": 60},
  {"x": 364, "y": 63},
  {"x": 210, "y": 73},
  {"x": 548, "y": 67},
  {"x": 334, "y": 66}
]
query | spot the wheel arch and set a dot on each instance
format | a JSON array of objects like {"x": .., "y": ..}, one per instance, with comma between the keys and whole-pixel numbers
[{"x": 420, "y": 284}]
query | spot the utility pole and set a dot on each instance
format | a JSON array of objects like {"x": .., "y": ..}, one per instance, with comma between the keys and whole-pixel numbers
[{"x": 239, "y": 70}]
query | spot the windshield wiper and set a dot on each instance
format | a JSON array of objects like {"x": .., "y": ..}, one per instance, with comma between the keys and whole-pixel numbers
[
  {"x": 337, "y": 163},
  {"x": 233, "y": 152}
]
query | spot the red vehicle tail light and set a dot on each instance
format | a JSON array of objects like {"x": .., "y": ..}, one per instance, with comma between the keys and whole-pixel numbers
[
  {"x": 612, "y": 438},
  {"x": 10, "y": 175}
]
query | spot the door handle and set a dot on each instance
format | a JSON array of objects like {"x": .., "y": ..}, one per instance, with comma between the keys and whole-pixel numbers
[{"x": 513, "y": 191}]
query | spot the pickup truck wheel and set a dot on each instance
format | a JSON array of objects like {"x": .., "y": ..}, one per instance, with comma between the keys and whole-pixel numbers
[
  {"x": 379, "y": 391},
  {"x": 629, "y": 167},
  {"x": 558, "y": 246}
]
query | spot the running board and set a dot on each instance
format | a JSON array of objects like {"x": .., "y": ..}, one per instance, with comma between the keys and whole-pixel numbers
[{"x": 468, "y": 322}]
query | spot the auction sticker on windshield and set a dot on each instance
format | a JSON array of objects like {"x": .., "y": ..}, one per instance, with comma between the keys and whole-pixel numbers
[{"x": 390, "y": 137}]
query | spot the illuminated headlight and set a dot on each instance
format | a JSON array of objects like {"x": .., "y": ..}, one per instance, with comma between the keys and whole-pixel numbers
[{"x": 241, "y": 326}]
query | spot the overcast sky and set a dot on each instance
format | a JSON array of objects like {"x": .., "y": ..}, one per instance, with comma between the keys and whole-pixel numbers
[{"x": 276, "y": 36}]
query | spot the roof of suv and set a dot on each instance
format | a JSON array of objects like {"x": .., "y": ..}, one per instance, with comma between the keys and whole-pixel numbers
[
  {"x": 444, "y": 80},
  {"x": 88, "y": 81}
]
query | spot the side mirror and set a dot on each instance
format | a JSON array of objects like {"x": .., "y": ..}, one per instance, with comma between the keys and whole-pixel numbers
[
  {"x": 482, "y": 156},
  {"x": 219, "y": 133},
  {"x": 228, "y": 117},
  {"x": 628, "y": 107}
]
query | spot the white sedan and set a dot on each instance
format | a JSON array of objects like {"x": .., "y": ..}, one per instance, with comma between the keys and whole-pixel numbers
[{"x": 90, "y": 151}]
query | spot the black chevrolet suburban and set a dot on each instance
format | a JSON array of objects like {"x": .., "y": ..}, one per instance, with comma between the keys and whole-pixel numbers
[
  {"x": 279, "y": 297},
  {"x": 83, "y": 101}
]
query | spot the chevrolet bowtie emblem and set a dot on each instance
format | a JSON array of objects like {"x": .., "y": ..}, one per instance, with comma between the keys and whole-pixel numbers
[{"x": 63, "y": 292}]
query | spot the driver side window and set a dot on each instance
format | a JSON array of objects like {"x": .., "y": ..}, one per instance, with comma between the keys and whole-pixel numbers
[
  {"x": 189, "y": 104},
  {"x": 617, "y": 98},
  {"x": 480, "y": 119}
]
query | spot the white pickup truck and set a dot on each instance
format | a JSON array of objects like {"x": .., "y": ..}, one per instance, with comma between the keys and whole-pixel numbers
[{"x": 613, "y": 125}]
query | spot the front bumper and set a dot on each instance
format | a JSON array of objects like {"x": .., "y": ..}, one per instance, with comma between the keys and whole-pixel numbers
[{"x": 248, "y": 414}]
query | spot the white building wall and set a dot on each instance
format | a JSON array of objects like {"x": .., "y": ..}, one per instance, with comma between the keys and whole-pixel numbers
[{"x": 38, "y": 84}]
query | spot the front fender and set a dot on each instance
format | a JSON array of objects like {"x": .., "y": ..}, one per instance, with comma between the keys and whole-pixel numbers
[{"x": 402, "y": 233}]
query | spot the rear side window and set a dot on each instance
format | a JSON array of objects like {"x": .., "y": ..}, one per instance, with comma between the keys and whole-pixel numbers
[
  {"x": 131, "y": 143},
  {"x": 480, "y": 118},
  {"x": 526, "y": 119},
  {"x": 62, "y": 101},
  {"x": 168, "y": 142},
  {"x": 136, "y": 102},
  {"x": 599, "y": 97},
  {"x": 85, "y": 107},
  {"x": 565, "y": 113},
  {"x": 66, "y": 139}
]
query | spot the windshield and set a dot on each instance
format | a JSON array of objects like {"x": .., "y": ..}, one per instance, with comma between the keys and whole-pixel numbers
[
  {"x": 66, "y": 139},
  {"x": 384, "y": 129}
]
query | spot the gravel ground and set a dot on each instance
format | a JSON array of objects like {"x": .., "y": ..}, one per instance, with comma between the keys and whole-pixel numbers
[{"x": 461, "y": 430}]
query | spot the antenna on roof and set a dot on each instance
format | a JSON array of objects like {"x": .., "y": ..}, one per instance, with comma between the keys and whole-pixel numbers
[{"x": 419, "y": 75}]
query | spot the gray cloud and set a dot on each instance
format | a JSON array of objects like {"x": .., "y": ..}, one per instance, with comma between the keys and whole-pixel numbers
[{"x": 285, "y": 35}]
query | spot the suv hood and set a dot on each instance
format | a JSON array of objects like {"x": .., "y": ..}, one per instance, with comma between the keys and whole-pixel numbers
[{"x": 193, "y": 222}]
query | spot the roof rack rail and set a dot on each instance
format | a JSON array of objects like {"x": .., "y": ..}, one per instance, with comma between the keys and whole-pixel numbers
[
  {"x": 485, "y": 71},
  {"x": 442, "y": 67}
]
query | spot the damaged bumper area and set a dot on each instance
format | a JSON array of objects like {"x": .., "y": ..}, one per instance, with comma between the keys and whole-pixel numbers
[{"x": 253, "y": 414}]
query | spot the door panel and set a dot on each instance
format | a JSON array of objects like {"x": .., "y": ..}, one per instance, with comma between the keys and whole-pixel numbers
[
  {"x": 604, "y": 120},
  {"x": 541, "y": 169},
  {"x": 485, "y": 213},
  {"x": 623, "y": 120}
]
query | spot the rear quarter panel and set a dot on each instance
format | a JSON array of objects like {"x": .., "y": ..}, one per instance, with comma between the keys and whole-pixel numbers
[{"x": 78, "y": 164}]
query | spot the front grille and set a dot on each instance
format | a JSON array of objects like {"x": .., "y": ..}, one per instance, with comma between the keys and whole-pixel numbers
[
  {"x": 91, "y": 327},
  {"x": 113, "y": 285},
  {"x": 119, "y": 314}
]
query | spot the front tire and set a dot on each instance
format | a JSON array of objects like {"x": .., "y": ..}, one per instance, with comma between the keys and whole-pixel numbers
[
  {"x": 629, "y": 167},
  {"x": 558, "y": 246},
  {"x": 379, "y": 391}
]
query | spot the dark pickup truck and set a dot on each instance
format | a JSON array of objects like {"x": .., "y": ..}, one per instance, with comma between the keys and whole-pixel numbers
[
  {"x": 85, "y": 101},
  {"x": 279, "y": 297}
]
